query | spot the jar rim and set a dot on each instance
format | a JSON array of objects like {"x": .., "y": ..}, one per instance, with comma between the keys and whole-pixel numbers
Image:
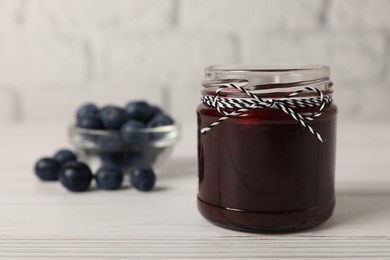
[
  {"x": 269, "y": 80},
  {"x": 269, "y": 68},
  {"x": 260, "y": 75}
]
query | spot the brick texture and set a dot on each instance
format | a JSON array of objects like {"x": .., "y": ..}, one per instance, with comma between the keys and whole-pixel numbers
[
  {"x": 360, "y": 14},
  {"x": 48, "y": 104},
  {"x": 90, "y": 16},
  {"x": 362, "y": 102},
  {"x": 166, "y": 59},
  {"x": 376, "y": 96},
  {"x": 56, "y": 54},
  {"x": 145, "y": 65},
  {"x": 29, "y": 60},
  {"x": 350, "y": 56},
  {"x": 250, "y": 14}
]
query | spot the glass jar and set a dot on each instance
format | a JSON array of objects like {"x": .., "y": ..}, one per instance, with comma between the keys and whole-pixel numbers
[{"x": 266, "y": 147}]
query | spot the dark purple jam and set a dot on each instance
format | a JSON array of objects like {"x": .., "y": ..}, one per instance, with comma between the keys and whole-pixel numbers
[{"x": 264, "y": 172}]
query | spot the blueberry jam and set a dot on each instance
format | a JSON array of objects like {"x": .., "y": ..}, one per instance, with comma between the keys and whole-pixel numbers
[{"x": 264, "y": 172}]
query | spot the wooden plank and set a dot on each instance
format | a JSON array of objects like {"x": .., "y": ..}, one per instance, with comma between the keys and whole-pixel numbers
[{"x": 44, "y": 221}]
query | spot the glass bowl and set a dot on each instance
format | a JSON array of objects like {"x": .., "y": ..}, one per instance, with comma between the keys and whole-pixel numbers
[{"x": 147, "y": 146}]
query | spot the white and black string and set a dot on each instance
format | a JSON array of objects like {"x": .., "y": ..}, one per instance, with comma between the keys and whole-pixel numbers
[{"x": 286, "y": 104}]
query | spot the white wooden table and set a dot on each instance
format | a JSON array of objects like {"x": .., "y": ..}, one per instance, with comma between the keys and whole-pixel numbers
[{"x": 44, "y": 221}]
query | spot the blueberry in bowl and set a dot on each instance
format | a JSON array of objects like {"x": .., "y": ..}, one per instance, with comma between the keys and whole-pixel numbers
[
  {"x": 160, "y": 119},
  {"x": 88, "y": 117},
  {"x": 88, "y": 110},
  {"x": 139, "y": 134},
  {"x": 122, "y": 148},
  {"x": 90, "y": 123},
  {"x": 130, "y": 132},
  {"x": 113, "y": 117},
  {"x": 140, "y": 110}
]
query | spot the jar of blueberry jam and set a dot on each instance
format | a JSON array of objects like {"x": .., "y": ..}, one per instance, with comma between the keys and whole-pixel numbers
[{"x": 266, "y": 147}]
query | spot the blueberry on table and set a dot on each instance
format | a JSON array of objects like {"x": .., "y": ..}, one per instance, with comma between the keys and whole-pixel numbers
[
  {"x": 140, "y": 110},
  {"x": 112, "y": 117},
  {"x": 129, "y": 132},
  {"x": 90, "y": 123},
  {"x": 142, "y": 178},
  {"x": 64, "y": 155},
  {"x": 75, "y": 176},
  {"x": 109, "y": 177},
  {"x": 47, "y": 169},
  {"x": 87, "y": 110}
]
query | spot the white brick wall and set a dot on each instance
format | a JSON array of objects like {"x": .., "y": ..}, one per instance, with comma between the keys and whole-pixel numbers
[
  {"x": 88, "y": 16},
  {"x": 237, "y": 15},
  {"x": 144, "y": 65},
  {"x": 34, "y": 60},
  {"x": 358, "y": 14},
  {"x": 351, "y": 56},
  {"x": 56, "y": 54}
]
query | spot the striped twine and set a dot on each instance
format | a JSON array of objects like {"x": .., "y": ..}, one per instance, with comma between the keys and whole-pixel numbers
[{"x": 285, "y": 104}]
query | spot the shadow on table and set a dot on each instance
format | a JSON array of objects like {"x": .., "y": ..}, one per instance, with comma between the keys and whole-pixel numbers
[{"x": 358, "y": 207}]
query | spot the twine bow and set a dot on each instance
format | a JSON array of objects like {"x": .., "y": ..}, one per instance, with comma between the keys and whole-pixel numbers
[{"x": 253, "y": 101}]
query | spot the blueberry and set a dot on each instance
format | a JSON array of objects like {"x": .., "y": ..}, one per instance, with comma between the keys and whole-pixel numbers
[
  {"x": 156, "y": 111},
  {"x": 109, "y": 177},
  {"x": 136, "y": 158},
  {"x": 75, "y": 176},
  {"x": 88, "y": 117},
  {"x": 63, "y": 156},
  {"x": 160, "y": 119},
  {"x": 111, "y": 141},
  {"x": 112, "y": 117},
  {"x": 116, "y": 158},
  {"x": 87, "y": 110},
  {"x": 47, "y": 169},
  {"x": 130, "y": 135},
  {"x": 143, "y": 178},
  {"x": 90, "y": 123},
  {"x": 140, "y": 110}
]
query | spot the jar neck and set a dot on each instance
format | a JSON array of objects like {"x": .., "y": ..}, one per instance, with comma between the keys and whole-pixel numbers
[
  {"x": 274, "y": 90},
  {"x": 235, "y": 91},
  {"x": 267, "y": 81}
]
